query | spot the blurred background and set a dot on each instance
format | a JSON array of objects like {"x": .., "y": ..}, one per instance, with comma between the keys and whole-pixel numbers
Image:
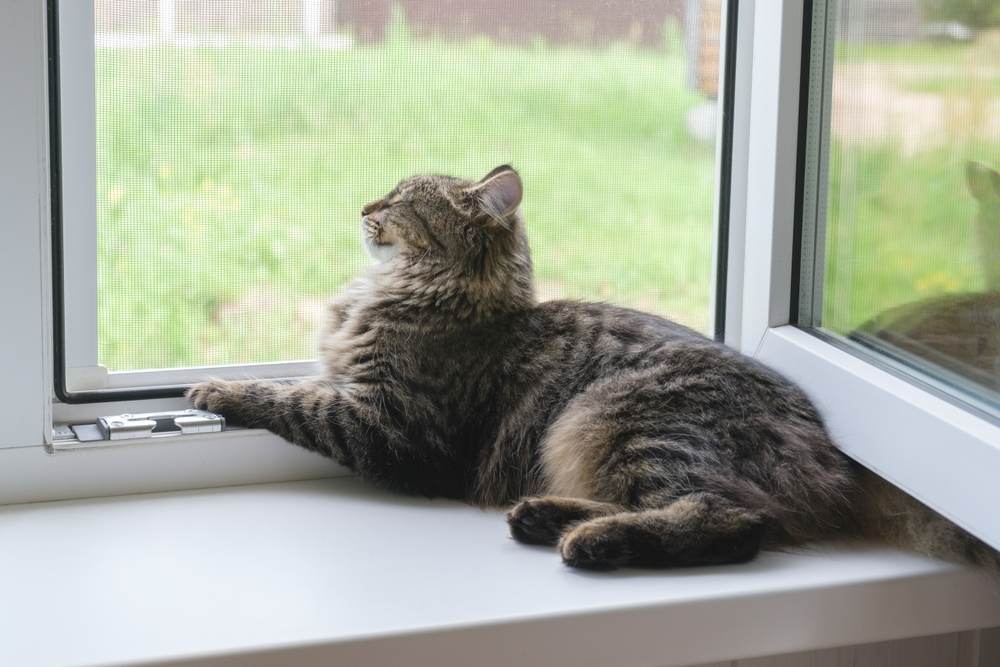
[
  {"x": 912, "y": 239},
  {"x": 237, "y": 142},
  {"x": 238, "y": 139}
]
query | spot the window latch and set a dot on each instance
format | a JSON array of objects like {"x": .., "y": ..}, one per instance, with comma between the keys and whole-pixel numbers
[{"x": 145, "y": 425}]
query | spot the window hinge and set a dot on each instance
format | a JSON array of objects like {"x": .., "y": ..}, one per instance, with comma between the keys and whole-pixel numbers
[{"x": 115, "y": 428}]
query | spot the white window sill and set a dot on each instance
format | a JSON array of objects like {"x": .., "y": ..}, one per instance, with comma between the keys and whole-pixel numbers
[{"x": 333, "y": 572}]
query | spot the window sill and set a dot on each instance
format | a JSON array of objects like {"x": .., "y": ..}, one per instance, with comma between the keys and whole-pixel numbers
[
  {"x": 33, "y": 474},
  {"x": 332, "y": 572}
]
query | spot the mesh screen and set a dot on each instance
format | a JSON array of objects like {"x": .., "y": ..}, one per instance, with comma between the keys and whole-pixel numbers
[
  {"x": 912, "y": 248},
  {"x": 238, "y": 140}
]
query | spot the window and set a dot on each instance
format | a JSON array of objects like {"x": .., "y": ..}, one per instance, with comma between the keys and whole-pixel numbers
[
  {"x": 808, "y": 215},
  {"x": 905, "y": 258},
  {"x": 213, "y": 181},
  {"x": 864, "y": 257}
]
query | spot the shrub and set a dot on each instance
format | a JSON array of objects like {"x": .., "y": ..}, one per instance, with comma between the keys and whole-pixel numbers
[{"x": 973, "y": 13}]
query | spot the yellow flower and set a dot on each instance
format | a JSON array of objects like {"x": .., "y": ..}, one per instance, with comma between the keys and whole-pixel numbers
[
  {"x": 938, "y": 281},
  {"x": 115, "y": 195},
  {"x": 165, "y": 171}
]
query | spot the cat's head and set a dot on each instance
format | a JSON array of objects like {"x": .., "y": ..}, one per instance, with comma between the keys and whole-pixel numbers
[
  {"x": 984, "y": 184},
  {"x": 466, "y": 236}
]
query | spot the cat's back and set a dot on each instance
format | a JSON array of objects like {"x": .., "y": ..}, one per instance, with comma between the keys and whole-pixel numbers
[
  {"x": 603, "y": 322},
  {"x": 625, "y": 348}
]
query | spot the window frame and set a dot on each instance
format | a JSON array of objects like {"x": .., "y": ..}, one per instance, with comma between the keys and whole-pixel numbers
[
  {"x": 79, "y": 378},
  {"x": 24, "y": 255},
  {"x": 30, "y": 469},
  {"x": 868, "y": 408},
  {"x": 763, "y": 214}
]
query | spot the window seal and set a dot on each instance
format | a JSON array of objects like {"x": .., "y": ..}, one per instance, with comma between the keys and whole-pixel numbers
[{"x": 725, "y": 173}]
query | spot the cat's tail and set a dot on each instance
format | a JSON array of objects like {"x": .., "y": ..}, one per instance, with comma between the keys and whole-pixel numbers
[{"x": 889, "y": 514}]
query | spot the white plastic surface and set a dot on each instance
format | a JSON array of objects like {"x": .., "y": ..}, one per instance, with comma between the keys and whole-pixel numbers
[{"x": 332, "y": 572}]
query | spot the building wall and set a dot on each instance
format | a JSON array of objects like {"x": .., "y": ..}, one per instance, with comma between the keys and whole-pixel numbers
[{"x": 558, "y": 21}]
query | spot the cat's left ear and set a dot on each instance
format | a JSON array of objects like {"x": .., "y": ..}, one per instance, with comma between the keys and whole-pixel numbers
[{"x": 498, "y": 194}]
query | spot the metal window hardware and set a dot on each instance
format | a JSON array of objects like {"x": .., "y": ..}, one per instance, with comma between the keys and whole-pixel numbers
[{"x": 139, "y": 426}]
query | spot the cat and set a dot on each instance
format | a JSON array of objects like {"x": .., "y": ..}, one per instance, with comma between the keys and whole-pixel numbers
[
  {"x": 984, "y": 185},
  {"x": 622, "y": 438}
]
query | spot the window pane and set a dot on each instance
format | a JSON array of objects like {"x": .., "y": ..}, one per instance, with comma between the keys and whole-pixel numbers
[
  {"x": 911, "y": 265},
  {"x": 238, "y": 140}
]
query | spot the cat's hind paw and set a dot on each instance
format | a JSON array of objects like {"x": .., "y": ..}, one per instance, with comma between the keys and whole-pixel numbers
[
  {"x": 595, "y": 545},
  {"x": 543, "y": 520},
  {"x": 538, "y": 521}
]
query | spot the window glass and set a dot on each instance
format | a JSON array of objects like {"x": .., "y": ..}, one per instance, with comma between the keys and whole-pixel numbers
[
  {"x": 909, "y": 259},
  {"x": 237, "y": 141}
]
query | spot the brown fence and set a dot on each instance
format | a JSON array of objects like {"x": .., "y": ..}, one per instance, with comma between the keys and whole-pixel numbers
[
  {"x": 557, "y": 21},
  {"x": 586, "y": 21}
]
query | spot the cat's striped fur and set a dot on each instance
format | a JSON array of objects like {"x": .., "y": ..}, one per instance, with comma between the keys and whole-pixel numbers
[{"x": 627, "y": 439}]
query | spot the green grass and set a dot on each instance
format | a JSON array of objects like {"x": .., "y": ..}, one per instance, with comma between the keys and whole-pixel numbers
[
  {"x": 902, "y": 222},
  {"x": 955, "y": 85},
  {"x": 900, "y": 229},
  {"x": 909, "y": 53},
  {"x": 230, "y": 181}
]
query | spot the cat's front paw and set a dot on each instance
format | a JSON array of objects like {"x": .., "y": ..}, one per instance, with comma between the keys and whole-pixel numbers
[{"x": 214, "y": 395}]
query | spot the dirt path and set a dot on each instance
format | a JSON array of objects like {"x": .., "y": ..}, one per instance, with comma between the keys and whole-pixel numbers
[{"x": 871, "y": 104}]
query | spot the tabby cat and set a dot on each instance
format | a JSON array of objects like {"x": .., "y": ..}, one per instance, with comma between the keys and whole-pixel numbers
[{"x": 622, "y": 437}]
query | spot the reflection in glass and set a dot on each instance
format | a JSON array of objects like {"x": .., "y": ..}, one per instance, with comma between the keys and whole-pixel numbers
[{"x": 912, "y": 238}]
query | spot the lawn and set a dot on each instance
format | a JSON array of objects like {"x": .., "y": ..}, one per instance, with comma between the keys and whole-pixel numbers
[
  {"x": 230, "y": 180},
  {"x": 902, "y": 222}
]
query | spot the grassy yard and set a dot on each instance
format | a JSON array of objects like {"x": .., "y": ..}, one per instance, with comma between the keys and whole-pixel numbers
[
  {"x": 230, "y": 181},
  {"x": 901, "y": 223},
  {"x": 898, "y": 230}
]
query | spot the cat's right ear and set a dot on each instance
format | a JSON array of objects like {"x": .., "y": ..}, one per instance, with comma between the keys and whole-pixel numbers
[
  {"x": 498, "y": 194},
  {"x": 983, "y": 182}
]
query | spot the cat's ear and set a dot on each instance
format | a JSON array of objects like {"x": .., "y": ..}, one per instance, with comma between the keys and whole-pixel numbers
[
  {"x": 495, "y": 171},
  {"x": 498, "y": 194},
  {"x": 983, "y": 182}
]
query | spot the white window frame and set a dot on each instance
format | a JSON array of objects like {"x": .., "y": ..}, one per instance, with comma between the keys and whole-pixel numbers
[
  {"x": 943, "y": 454},
  {"x": 890, "y": 424},
  {"x": 78, "y": 164}
]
